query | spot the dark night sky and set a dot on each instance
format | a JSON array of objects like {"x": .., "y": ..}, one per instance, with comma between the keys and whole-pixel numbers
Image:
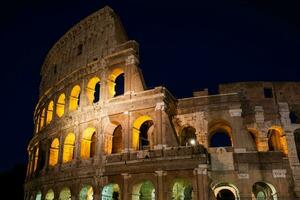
[{"x": 185, "y": 46}]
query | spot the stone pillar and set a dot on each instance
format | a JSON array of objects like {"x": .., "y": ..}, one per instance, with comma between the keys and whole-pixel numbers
[
  {"x": 202, "y": 182},
  {"x": 125, "y": 193},
  {"x": 160, "y": 195},
  {"x": 159, "y": 125},
  {"x": 77, "y": 143},
  {"x": 236, "y": 114},
  {"x": 97, "y": 193},
  {"x": 262, "y": 144},
  {"x": 126, "y": 133},
  {"x": 47, "y": 151},
  {"x": 133, "y": 82},
  {"x": 60, "y": 151}
]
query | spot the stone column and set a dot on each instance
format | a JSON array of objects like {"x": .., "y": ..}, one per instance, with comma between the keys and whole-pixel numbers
[
  {"x": 77, "y": 143},
  {"x": 125, "y": 193},
  {"x": 126, "y": 133},
  {"x": 96, "y": 191},
  {"x": 202, "y": 182},
  {"x": 159, "y": 125},
  {"x": 60, "y": 151},
  {"x": 47, "y": 151},
  {"x": 262, "y": 144},
  {"x": 160, "y": 189}
]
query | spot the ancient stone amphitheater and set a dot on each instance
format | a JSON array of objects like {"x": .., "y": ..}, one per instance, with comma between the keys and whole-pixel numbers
[{"x": 101, "y": 134}]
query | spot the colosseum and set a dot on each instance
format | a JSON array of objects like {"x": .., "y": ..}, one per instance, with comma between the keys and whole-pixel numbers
[{"x": 101, "y": 134}]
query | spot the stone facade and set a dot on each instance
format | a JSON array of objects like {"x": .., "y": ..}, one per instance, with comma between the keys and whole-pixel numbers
[{"x": 100, "y": 134}]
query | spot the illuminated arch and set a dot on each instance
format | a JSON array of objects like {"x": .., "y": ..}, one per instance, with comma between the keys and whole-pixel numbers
[
  {"x": 42, "y": 118},
  {"x": 143, "y": 190},
  {"x": 226, "y": 191},
  {"x": 93, "y": 90},
  {"x": 65, "y": 194},
  {"x": 88, "y": 143},
  {"x": 49, "y": 195},
  {"x": 111, "y": 191},
  {"x": 38, "y": 196},
  {"x": 86, "y": 193},
  {"x": 60, "y": 105},
  {"x": 111, "y": 82},
  {"x": 54, "y": 151},
  {"x": 182, "y": 189},
  {"x": 69, "y": 144},
  {"x": 264, "y": 191},
  {"x": 117, "y": 140},
  {"x": 49, "y": 112},
  {"x": 142, "y": 133},
  {"x": 220, "y": 134},
  {"x": 74, "y": 98},
  {"x": 188, "y": 136},
  {"x": 277, "y": 140}
]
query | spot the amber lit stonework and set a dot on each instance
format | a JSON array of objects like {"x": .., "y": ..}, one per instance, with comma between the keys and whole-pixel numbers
[{"x": 98, "y": 138}]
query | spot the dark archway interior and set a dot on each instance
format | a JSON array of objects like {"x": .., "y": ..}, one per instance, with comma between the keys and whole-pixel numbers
[
  {"x": 120, "y": 85},
  {"x": 225, "y": 194},
  {"x": 117, "y": 140},
  {"x": 97, "y": 93},
  {"x": 186, "y": 135},
  {"x": 144, "y": 137},
  {"x": 220, "y": 139},
  {"x": 93, "y": 145}
]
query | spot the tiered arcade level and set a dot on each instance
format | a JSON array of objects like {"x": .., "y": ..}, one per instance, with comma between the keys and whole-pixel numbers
[{"x": 100, "y": 134}]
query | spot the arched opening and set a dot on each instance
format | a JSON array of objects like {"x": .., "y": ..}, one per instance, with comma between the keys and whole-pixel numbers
[
  {"x": 297, "y": 142},
  {"x": 88, "y": 143},
  {"x": 111, "y": 192},
  {"x": 54, "y": 151},
  {"x": 38, "y": 196},
  {"x": 116, "y": 83},
  {"x": 225, "y": 194},
  {"x": 188, "y": 136},
  {"x": 182, "y": 190},
  {"x": 49, "y": 113},
  {"x": 86, "y": 193},
  {"x": 42, "y": 118},
  {"x": 294, "y": 117},
  {"x": 226, "y": 191},
  {"x": 117, "y": 140},
  {"x": 220, "y": 134},
  {"x": 93, "y": 90},
  {"x": 69, "y": 144},
  {"x": 142, "y": 135},
  {"x": 49, "y": 195},
  {"x": 60, "y": 105},
  {"x": 264, "y": 191},
  {"x": 65, "y": 194},
  {"x": 277, "y": 140},
  {"x": 74, "y": 98},
  {"x": 143, "y": 191}
]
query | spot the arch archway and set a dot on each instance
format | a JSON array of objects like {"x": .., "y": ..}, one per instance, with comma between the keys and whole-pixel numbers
[
  {"x": 74, "y": 98},
  {"x": 188, "y": 136},
  {"x": 88, "y": 143},
  {"x": 38, "y": 195},
  {"x": 226, "y": 191},
  {"x": 297, "y": 142},
  {"x": 142, "y": 134},
  {"x": 65, "y": 194},
  {"x": 220, "y": 133},
  {"x": 117, "y": 140},
  {"x": 264, "y": 191},
  {"x": 69, "y": 144},
  {"x": 277, "y": 140},
  {"x": 49, "y": 112},
  {"x": 60, "y": 105},
  {"x": 49, "y": 195},
  {"x": 86, "y": 193},
  {"x": 111, "y": 192},
  {"x": 54, "y": 152},
  {"x": 143, "y": 191},
  {"x": 116, "y": 83},
  {"x": 182, "y": 190},
  {"x": 93, "y": 90}
]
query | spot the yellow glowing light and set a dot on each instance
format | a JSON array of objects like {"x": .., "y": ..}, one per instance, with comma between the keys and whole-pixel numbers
[
  {"x": 86, "y": 141},
  {"x": 111, "y": 81},
  {"x": 36, "y": 157},
  {"x": 74, "y": 98},
  {"x": 90, "y": 90},
  {"x": 136, "y": 130},
  {"x": 49, "y": 113},
  {"x": 277, "y": 139},
  {"x": 54, "y": 151},
  {"x": 42, "y": 118},
  {"x": 60, "y": 105},
  {"x": 69, "y": 148}
]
